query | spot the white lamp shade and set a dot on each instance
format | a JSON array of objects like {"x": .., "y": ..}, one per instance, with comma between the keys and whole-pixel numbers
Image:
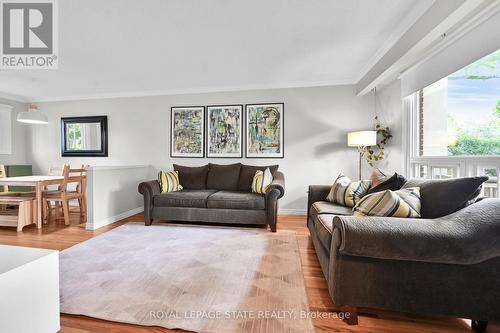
[
  {"x": 32, "y": 117},
  {"x": 362, "y": 138}
]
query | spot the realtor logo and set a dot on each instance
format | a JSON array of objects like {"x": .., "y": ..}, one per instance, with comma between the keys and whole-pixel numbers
[{"x": 29, "y": 34}]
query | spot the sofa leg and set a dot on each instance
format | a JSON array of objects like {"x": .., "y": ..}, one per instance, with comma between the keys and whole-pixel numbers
[
  {"x": 273, "y": 227},
  {"x": 350, "y": 314},
  {"x": 478, "y": 326}
]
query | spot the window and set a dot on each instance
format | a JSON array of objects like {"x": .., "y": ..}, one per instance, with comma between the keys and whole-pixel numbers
[
  {"x": 460, "y": 114},
  {"x": 5, "y": 129},
  {"x": 454, "y": 126}
]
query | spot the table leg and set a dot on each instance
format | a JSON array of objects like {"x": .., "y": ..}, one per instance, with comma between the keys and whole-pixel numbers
[{"x": 39, "y": 214}]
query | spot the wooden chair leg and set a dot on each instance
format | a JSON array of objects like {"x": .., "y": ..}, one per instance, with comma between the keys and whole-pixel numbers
[
  {"x": 21, "y": 215},
  {"x": 350, "y": 314},
  {"x": 56, "y": 208},
  {"x": 80, "y": 205},
  {"x": 34, "y": 212},
  {"x": 65, "y": 205},
  {"x": 84, "y": 201},
  {"x": 47, "y": 211}
]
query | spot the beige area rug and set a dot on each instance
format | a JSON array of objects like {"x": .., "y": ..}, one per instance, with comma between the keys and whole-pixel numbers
[{"x": 197, "y": 278}]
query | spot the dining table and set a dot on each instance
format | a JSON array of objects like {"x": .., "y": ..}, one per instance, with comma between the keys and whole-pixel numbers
[{"x": 38, "y": 183}]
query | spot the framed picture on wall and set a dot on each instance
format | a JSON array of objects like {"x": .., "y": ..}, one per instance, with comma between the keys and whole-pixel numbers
[
  {"x": 187, "y": 135},
  {"x": 224, "y": 131},
  {"x": 264, "y": 130}
]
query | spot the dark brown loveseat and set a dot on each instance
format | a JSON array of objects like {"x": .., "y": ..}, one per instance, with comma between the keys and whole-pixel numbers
[{"x": 215, "y": 193}]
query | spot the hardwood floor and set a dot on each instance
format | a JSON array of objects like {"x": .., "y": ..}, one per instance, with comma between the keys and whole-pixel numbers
[{"x": 58, "y": 236}]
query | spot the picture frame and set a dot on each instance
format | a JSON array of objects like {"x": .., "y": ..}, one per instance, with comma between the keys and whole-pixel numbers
[
  {"x": 187, "y": 131},
  {"x": 264, "y": 124},
  {"x": 84, "y": 136},
  {"x": 224, "y": 138}
]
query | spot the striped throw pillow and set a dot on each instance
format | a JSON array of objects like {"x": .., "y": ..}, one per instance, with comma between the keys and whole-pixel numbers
[
  {"x": 169, "y": 181},
  {"x": 346, "y": 192},
  {"x": 261, "y": 181},
  {"x": 401, "y": 203}
]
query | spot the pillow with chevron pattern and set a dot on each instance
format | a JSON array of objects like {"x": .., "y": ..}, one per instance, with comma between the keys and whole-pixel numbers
[
  {"x": 169, "y": 181},
  {"x": 346, "y": 192},
  {"x": 401, "y": 203}
]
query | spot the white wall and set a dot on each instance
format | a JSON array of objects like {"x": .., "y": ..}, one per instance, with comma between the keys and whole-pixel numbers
[
  {"x": 112, "y": 193},
  {"x": 316, "y": 122},
  {"x": 390, "y": 113},
  {"x": 20, "y": 135}
]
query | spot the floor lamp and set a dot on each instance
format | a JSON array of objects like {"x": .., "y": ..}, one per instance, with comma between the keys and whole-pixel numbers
[{"x": 361, "y": 140}]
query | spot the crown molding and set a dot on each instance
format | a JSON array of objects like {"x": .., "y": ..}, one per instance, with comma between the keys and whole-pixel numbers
[
  {"x": 170, "y": 92},
  {"x": 15, "y": 98}
]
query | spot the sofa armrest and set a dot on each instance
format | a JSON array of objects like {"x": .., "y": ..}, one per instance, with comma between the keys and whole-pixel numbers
[
  {"x": 317, "y": 193},
  {"x": 468, "y": 236},
  {"x": 277, "y": 184},
  {"x": 149, "y": 190}
]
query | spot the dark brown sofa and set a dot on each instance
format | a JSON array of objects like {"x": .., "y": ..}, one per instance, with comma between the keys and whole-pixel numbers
[{"x": 215, "y": 193}]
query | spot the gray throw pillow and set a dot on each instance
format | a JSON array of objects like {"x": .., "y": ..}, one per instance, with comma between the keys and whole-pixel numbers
[
  {"x": 443, "y": 197},
  {"x": 192, "y": 178},
  {"x": 223, "y": 177},
  {"x": 394, "y": 183}
]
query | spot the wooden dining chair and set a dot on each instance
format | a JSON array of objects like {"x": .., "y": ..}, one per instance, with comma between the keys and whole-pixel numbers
[
  {"x": 4, "y": 189},
  {"x": 3, "y": 174},
  {"x": 63, "y": 194},
  {"x": 53, "y": 171},
  {"x": 81, "y": 188}
]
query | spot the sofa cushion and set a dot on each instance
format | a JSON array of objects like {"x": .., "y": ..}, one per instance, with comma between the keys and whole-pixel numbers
[
  {"x": 443, "y": 197},
  {"x": 236, "y": 200},
  {"x": 393, "y": 183},
  {"x": 324, "y": 226},
  {"x": 223, "y": 177},
  {"x": 192, "y": 178},
  {"x": 186, "y": 198},
  {"x": 248, "y": 172},
  {"x": 325, "y": 207}
]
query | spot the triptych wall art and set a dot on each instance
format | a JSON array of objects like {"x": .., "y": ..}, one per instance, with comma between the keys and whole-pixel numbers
[{"x": 219, "y": 132}]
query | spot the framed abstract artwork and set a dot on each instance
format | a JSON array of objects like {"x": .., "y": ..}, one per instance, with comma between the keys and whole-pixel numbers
[
  {"x": 224, "y": 131},
  {"x": 187, "y": 135},
  {"x": 264, "y": 128}
]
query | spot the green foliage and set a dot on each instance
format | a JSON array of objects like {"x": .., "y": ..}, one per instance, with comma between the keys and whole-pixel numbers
[{"x": 480, "y": 140}]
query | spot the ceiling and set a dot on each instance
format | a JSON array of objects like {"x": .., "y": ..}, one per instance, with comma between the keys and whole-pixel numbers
[{"x": 129, "y": 48}]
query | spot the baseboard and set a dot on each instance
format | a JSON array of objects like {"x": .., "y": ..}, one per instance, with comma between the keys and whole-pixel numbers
[
  {"x": 113, "y": 219},
  {"x": 290, "y": 211}
]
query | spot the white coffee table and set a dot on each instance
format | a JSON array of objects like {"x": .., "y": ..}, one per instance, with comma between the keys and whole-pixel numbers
[{"x": 29, "y": 290}]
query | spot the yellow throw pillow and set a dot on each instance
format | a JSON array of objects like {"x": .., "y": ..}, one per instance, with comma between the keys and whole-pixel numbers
[
  {"x": 401, "y": 203},
  {"x": 169, "y": 181},
  {"x": 261, "y": 181},
  {"x": 346, "y": 192}
]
